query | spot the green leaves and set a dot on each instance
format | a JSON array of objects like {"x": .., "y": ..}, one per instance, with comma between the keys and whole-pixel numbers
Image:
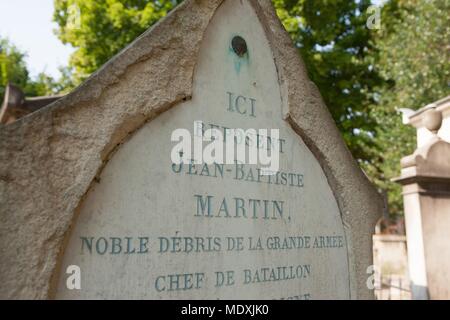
[
  {"x": 13, "y": 70},
  {"x": 12, "y": 66},
  {"x": 336, "y": 45},
  {"x": 413, "y": 59},
  {"x": 100, "y": 29}
]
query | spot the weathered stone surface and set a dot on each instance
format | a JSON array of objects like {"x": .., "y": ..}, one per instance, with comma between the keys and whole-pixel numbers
[{"x": 50, "y": 160}]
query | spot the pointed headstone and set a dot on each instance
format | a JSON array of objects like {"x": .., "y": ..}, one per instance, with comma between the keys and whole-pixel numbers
[{"x": 93, "y": 205}]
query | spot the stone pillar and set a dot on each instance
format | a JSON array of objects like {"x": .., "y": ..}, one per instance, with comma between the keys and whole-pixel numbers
[{"x": 425, "y": 177}]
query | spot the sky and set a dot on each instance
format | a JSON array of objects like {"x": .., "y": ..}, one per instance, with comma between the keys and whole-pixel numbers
[{"x": 28, "y": 25}]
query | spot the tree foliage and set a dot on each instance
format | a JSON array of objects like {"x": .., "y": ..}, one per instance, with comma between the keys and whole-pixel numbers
[
  {"x": 336, "y": 45},
  {"x": 12, "y": 66},
  {"x": 13, "y": 69},
  {"x": 413, "y": 57}
]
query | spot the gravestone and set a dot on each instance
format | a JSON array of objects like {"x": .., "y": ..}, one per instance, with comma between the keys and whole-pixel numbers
[{"x": 89, "y": 182}]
